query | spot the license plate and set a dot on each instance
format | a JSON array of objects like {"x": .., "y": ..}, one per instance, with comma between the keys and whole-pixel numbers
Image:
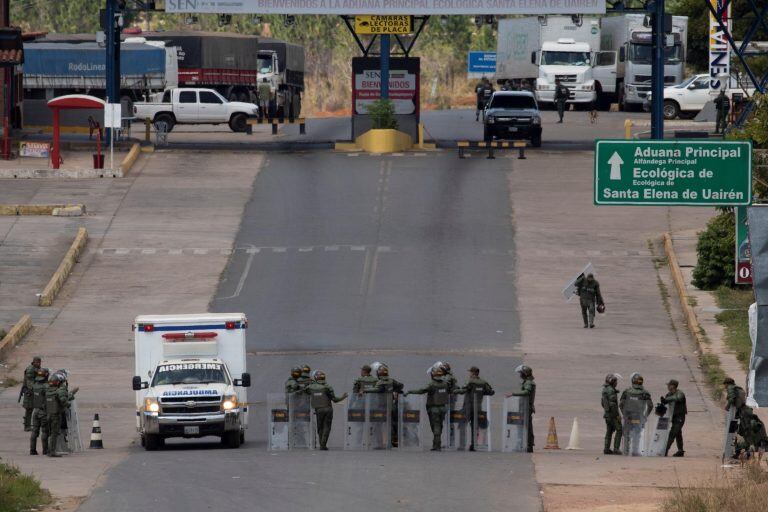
[
  {"x": 191, "y": 431},
  {"x": 513, "y": 128}
]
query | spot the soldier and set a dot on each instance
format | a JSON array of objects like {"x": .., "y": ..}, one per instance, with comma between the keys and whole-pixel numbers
[
  {"x": 56, "y": 401},
  {"x": 292, "y": 384},
  {"x": 483, "y": 91},
  {"x": 676, "y": 397},
  {"x": 39, "y": 419},
  {"x": 26, "y": 391},
  {"x": 265, "y": 99},
  {"x": 528, "y": 388},
  {"x": 321, "y": 396},
  {"x": 723, "y": 105},
  {"x": 610, "y": 403},
  {"x": 305, "y": 380},
  {"x": 752, "y": 432},
  {"x": 736, "y": 396},
  {"x": 635, "y": 405},
  {"x": 449, "y": 375},
  {"x": 588, "y": 290},
  {"x": 386, "y": 384},
  {"x": 475, "y": 389},
  {"x": 365, "y": 381},
  {"x": 437, "y": 390},
  {"x": 562, "y": 95}
]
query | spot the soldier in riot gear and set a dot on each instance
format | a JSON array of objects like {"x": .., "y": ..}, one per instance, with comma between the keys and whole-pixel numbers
[
  {"x": 588, "y": 290},
  {"x": 39, "y": 419},
  {"x": 305, "y": 379},
  {"x": 292, "y": 384},
  {"x": 635, "y": 405},
  {"x": 321, "y": 398},
  {"x": 475, "y": 389},
  {"x": 386, "y": 384},
  {"x": 676, "y": 397},
  {"x": 736, "y": 397},
  {"x": 528, "y": 389},
  {"x": 610, "y": 403},
  {"x": 365, "y": 381},
  {"x": 25, "y": 395},
  {"x": 438, "y": 389}
]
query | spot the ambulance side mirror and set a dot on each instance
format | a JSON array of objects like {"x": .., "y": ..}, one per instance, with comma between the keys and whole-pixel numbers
[
  {"x": 138, "y": 385},
  {"x": 244, "y": 380}
]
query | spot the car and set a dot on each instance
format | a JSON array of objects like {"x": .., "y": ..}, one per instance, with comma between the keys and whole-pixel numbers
[
  {"x": 512, "y": 115},
  {"x": 687, "y": 98}
]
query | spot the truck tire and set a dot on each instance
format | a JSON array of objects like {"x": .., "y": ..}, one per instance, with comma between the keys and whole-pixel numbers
[
  {"x": 231, "y": 439},
  {"x": 671, "y": 109},
  {"x": 168, "y": 119},
  {"x": 152, "y": 442},
  {"x": 297, "y": 105},
  {"x": 238, "y": 123}
]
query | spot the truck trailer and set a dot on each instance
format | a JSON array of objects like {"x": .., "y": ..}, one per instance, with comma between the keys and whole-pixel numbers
[{"x": 281, "y": 64}]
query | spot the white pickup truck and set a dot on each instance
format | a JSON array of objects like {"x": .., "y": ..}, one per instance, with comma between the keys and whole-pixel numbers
[
  {"x": 195, "y": 106},
  {"x": 688, "y": 98}
]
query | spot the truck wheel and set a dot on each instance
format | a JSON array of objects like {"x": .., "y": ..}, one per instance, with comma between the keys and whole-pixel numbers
[
  {"x": 297, "y": 105},
  {"x": 242, "y": 437},
  {"x": 152, "y": 442},
  {"x": 671, "y": 109},
  {"x": 168, "y": 119},
  {"x": 238, "y": 123},
  {"x": 536, "y": 141},
  {"x": 231, "y": 439}
]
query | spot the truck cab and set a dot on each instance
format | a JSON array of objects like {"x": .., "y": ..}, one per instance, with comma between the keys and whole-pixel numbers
[
  {"x": 190, "y": 379},
  {"x": 571, "y": 63}
]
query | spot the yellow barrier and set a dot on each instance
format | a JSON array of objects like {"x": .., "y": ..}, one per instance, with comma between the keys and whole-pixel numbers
[
  {"x": 130, "y": 159},
  {"x": 384, "y": 141},
  {"x": 628, "y": 129},
  {"x": 16, "y": 334},
  {"x": 65, "y": 268},
  {"x": 35, "y": 209}
]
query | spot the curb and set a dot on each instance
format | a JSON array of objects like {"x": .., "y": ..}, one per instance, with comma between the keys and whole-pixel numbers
[
  {"x": 65, "y": 268},
  {"x": 16, "y": 334},
  {"x": 130, "y": 159},
  {"x": 691, "y": 319},
  {"x": 82, "y": 174},
  {"x": 37, "y": 209}
]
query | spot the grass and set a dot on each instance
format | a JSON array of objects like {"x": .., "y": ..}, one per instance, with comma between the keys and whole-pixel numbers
[
  {"x": 10, "y": 382},
  {"x": 20, "y": 492},
  {"x": 744, "y": 491},
  {"x": 735, "y": 302},
  {"x": 710, "y": 365}
]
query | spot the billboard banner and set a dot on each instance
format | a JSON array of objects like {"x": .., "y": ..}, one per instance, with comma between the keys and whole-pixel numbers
[
  {"x": 719, "y": 50},
  {"x": 388, "y": 7}
]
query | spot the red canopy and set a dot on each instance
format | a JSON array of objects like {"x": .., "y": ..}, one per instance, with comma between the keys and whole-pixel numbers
[{"x": 70, "y": 101}]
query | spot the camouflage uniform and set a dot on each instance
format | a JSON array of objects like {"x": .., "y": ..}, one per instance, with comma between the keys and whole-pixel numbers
[{"x": 610, "y": 403}]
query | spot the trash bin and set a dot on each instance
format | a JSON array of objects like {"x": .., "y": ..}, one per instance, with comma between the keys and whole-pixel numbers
[{"x": 98, "y": 161}]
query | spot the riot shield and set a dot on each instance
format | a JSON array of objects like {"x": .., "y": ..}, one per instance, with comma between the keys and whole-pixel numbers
[
  {"x": 479, "y": 416},
  {"x": 301, "y": 435},
  {"x": 355, "y": 425},
  {"x": 454, "y": 435},
  {"x": 657, "y": 433},
  {"x": 69, "y": 440},
  {"x": 515, "y": 424},
  {"x": 411, "y": 408},
  {"x": 731, "y": 427},
  {"x": 277, "y": 421},
  {"x": 634, "y": 424},
  {"x": 379, "y": 420}
]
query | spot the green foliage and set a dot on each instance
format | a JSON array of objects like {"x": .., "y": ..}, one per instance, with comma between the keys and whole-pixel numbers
[
  {"x": 382, "y": 114},
  {"x": 756, "y": 130},
  {"x": 20, "y": 492},
  {"x": 734, "y": 318},
  {"x": 715, "y": 249}
]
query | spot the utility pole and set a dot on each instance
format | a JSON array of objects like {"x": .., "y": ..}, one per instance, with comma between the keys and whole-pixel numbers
[
  {"x": 658, "y": 35},
  {"x": 385, "y": 50}
]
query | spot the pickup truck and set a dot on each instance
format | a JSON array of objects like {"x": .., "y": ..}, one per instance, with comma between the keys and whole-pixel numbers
[
  {"x": 512, "y": 115},
  {"x": 688, "y": 98},
  {"x": 195, "y": 106}
]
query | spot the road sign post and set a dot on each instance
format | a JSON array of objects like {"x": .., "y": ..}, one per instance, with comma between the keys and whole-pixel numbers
[{"x": 676, "y": 173}]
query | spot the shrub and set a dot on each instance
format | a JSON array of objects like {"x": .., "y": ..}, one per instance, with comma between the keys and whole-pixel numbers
[
  {"x": 382, "y": 114},
  {"x": 744, "y": 491},
  {"x": 715, "y": 248},
  {"x": 20, "y": 492}
]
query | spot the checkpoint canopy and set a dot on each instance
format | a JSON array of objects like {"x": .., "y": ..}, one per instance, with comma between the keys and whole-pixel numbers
[{"x": 392, "y": 7}]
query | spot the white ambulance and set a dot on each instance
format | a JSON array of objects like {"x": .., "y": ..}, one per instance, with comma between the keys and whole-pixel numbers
[{"x": 190, "y": 378}]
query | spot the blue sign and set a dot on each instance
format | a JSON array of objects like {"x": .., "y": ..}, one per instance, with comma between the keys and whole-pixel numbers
[{"x": 481, "y": 63}]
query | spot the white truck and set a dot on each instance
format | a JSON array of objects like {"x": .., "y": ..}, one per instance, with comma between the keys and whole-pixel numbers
[
  {"x": 195, "y": 106},
  {"x": 190, "y": 377},
  {"x": 281, "y": 64},
  {"x": 629, "y": 36},
  {"x": 541, "y": 49}
]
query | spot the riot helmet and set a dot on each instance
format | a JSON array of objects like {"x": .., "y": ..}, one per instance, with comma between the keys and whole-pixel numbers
[
  {"x": 383, "y": 371},
  {"x": 318, "y": 376},
  {"x": 296, "y": 372},
  {"x": 612, "y": 378},
  {"x": 525, "y": 371},
  {"x": 637, "y": 379}
]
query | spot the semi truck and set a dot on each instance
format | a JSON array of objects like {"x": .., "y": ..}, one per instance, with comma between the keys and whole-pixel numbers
[
  {"x": 541, "y": 49},
  {"x": 190, "y": 377},
  {"x": 628, "y": 36},
  {"x": 281, "y": 64}
]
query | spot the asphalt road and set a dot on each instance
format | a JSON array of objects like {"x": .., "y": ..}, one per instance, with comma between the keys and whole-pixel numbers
[{"x": 344, "y": 260}]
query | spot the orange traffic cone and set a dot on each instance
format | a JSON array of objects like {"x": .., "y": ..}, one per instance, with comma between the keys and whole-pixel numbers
[{"x": 552, "y": 436}]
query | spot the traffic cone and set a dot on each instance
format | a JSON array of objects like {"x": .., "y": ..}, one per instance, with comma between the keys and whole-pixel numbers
[
  {"x": 96, "y": 441},
  {"x": 573, "y": 442},
  {"x": 552, "y": 436}
]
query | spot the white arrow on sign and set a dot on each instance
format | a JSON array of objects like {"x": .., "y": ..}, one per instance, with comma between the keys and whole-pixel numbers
[{"x": 615, "y": 161}]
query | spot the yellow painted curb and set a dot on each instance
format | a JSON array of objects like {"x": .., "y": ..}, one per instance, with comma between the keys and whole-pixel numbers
[
  {"x": 16, "y": 334},
  {"x": 346, "y": 146},
  {"x": 130, "y": 159},
  {"x": 148, "y": 149},
  {"x": 65, "y": 268},
  {"x": 691, "y": 319},
  {"x": 384, "y": 141},
  {"x": 35, "y": 209}
]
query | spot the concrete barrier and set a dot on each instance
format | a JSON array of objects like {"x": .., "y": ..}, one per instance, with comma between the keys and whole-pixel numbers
[
  {"x": 691, "y": 320},
  {"x": 384, "y": 141},
  {"x": 130, "y": 159},
  {"x": 40, "y": 209},
  {"x": 15, "y": 335},
  {"x": 65, "y": 268}
]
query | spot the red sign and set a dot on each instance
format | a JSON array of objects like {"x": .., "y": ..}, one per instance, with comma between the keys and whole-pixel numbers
[{"x": 744, "y": 272}]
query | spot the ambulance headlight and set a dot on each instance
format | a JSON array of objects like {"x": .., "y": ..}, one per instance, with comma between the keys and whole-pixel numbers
[
  {"x": 151, "y": 405},
  {"x": 229, "y": 403}
]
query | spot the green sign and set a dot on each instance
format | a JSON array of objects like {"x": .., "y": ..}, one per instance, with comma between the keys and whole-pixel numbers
[
  {"x": 743, "y": 263},
  {"x": 684, "y": 172}
]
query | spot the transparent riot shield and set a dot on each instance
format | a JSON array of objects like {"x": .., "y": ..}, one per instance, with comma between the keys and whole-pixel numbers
[
  {"x": 515, "y": 424},
  {"x": 69, "y": 440},
  {"x": 278, "y": 421},
  {"x": 355, "y": 425},
  {"x": 731, "y": 427},
  {"x": 301, "y": 435},
  {"x": 454, "y": 435},
  {"x": 657, "y": 433},
  {"x": 479, "y": 416},
  {"x": 379, "y": 421},
  {"x": 634, "y": 424},
  {"x": 411, "y": 408}
]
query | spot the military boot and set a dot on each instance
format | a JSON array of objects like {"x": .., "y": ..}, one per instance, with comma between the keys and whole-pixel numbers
[{"x": 33, "y": 446}]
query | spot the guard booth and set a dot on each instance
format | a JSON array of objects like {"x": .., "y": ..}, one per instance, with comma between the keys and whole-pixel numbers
[{"x": 72, "y": 101}]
